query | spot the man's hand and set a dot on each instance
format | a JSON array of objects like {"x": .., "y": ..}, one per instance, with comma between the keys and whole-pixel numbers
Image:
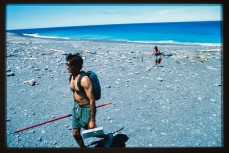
[{"x": 91, "y": 124}]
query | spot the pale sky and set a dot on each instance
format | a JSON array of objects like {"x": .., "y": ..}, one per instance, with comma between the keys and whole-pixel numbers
[{"x": 27, "y": 16}]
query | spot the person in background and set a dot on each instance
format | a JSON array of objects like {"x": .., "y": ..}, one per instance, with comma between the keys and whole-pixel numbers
[
  {"x": 157, "y": 55},
  {"x": 84, "y": 110}
]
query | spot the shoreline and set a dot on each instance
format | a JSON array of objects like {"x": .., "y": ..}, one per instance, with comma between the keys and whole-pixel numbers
[
  {"x": 127, "y": 41},
  {"x": 175, "y": 105}
]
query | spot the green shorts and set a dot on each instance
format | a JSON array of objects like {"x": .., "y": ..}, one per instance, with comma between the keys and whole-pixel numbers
[{"x": 80, "y": 116}]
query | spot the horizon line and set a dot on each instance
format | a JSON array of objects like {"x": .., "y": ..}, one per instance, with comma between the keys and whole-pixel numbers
[{"x": 113, "y": 24}]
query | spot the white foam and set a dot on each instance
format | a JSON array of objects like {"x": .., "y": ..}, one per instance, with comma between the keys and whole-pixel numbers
[
  {"x": 181, "y": 43},
  {"x": 39, "y": 36}
]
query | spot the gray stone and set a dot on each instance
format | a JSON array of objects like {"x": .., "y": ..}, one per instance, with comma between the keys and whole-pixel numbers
[{"x": 10, "y": 74}]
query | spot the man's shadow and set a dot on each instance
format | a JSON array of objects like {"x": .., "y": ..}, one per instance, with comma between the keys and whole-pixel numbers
[{"x": 119, "y": 140}]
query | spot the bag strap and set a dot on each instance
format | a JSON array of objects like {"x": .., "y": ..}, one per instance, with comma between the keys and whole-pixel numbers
[
  {"x": 82, "y": 74},
  {"x": 70, "y": 77}
]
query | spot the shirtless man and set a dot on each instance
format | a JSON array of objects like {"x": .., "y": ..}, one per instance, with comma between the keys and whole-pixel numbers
[{"x": 84, "y": 110}]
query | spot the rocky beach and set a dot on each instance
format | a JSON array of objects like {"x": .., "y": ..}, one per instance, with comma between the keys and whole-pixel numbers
[{"x": 178, "y": 104}]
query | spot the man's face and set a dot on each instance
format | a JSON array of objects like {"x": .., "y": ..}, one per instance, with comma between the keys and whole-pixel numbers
[{"x": 69, "y": 67}]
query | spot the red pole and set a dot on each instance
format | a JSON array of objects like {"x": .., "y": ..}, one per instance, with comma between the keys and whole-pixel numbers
[
  {"x": 55, "y": 119},
  {"x": 103, "y": 104}
]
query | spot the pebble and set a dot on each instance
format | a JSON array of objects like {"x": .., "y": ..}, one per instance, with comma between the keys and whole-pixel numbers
[
  {"x": 10, "y": 74},
  {"x": 32, "y": 131},
  {"x": 108, "y": 86},
  {"x": 159, "y": 79},
  {"x": 54, "y": 143},
  {"x": 163, "y": 133},
  {"x": 212, "y": 100},
  {"x": 40, "y": 139},
  {"x": 36, "y": 69}
]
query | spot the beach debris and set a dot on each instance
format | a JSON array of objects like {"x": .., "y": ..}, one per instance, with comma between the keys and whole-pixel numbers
[
  {"x": 178, "y": 61},
  {"x": 105, "y": 53},
  {"x": 123, "y": 57},
  {"x": 212, "y": 50},
  {"x": 210, "y": 68},
  {"x": 64, "y": 54},
  {"x": 40, "y": 138},
  {"x": 34, "y": 47},
  {"x": 52, "y": 51},
  {"x": 30, "y": 82},
  {"x": 117, "y": 82},
  {"x": 148, "y": 68},
  {"x": 159, "y": 79},
  {"x": 47, "y": 69},
  {"x": 10, "y": 73},
  {"x": 36, "y": 69},
  {"x": 212, "y": 100},
  {"x": 25, "y": 43},
  {"x": 200, "y": 58},
  {"x": 90, "y": 52},
  {"x": 190, "y": 58},
  {"x": 108, "y": 86},
  {"x": 30, "y": 58}
]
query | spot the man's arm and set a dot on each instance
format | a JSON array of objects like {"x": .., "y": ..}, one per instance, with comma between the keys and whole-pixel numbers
[
  {"x": 152, "y": 54},
  {"x": 87, "y": 85}
]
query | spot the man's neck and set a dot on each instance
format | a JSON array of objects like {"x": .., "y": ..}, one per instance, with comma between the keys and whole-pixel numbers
[{"x": 75, "y": 74}]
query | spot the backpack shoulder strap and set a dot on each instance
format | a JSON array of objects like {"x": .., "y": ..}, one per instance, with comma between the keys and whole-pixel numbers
[
  {"x": 82, "y": 74},
  {"x": 70, "y": 77}
]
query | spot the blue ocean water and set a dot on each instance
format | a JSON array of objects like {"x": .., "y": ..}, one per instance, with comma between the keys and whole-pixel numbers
[{"x": 205, "y": 32}]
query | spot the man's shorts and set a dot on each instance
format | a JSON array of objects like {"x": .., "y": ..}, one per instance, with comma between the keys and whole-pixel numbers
[
  {"x": 157, "y": 57},
  {"x": 80, "y": 116}
]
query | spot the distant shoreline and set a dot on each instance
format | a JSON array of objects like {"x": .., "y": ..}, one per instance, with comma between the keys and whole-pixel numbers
[
  {"x": 206, "y": 33},
  {"x": 119, "y": 41}
]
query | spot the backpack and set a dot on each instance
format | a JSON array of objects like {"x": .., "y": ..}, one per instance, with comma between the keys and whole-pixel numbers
[{"x": 95, "y": 83}]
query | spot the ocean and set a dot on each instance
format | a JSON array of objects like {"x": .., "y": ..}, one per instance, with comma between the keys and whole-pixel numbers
[{"x": 201, "y": 33}]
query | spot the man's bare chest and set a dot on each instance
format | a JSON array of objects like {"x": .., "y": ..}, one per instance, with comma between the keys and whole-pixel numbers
[{"x": 73, "y": 85}]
